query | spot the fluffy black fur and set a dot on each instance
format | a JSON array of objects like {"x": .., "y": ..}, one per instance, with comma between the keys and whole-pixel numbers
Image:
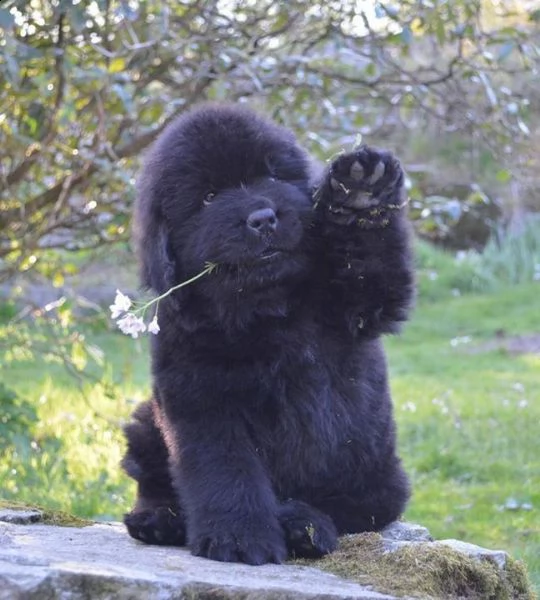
[{"x": 270, "y": 430}]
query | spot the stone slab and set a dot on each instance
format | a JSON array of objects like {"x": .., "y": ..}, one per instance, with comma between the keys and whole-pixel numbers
[{"x": 101, "y": 562}]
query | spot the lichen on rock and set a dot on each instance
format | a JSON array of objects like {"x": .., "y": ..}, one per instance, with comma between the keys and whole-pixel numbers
[{"x": 21, "y": 513}]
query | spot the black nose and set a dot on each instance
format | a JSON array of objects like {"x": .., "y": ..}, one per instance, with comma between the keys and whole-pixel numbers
[{"x": 262, "y": 221}]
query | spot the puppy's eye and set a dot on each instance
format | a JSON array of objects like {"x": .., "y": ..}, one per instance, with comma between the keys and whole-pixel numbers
[{"x": 209, "y": 198}]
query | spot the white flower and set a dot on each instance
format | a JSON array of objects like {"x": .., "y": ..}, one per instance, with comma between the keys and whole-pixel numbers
[
  {"x": 121, "y": 305},
  {"x": 153, "y": 326},
  {"x": 131, "y": 325}
]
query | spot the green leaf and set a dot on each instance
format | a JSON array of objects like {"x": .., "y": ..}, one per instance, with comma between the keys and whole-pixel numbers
[
  {"x": 128, "y": 11},
  {"x": 506, "y": 50},
  {"x": 96, "y": 354},
  {"x": 7, "y": 20},
  {"x": 523, "y": 127},
  {"x": 440, "y": 31},
  {"x": 78, "y": 17},
  {"x": 27, "y": 52},
  {"x": 12, "y": 69},
  {"x": 371, "y": 69},
  {"x": 117, "y": 65},
  {"x": 503, "y": 176},
  {"x": 58, "y": 280},
  {"x": 79, "y": 355},
  {"x": 490, "y": 92},
  {"x": 124, "y": 96},
  {"x": 406, "y": 35}
]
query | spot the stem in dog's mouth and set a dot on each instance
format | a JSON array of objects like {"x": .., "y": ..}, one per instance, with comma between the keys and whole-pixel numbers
[
  {"x": 208, "y": 268},
  {"x": 268, "y": 254}
]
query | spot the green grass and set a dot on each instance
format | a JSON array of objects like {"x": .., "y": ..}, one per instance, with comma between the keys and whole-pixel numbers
[
  {"x": 468, "y": 421},
  {"x": 509, "y": 258},
  {"x": 72, "y": 461}
]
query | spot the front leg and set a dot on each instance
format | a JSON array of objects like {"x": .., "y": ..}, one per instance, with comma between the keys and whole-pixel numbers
[
  {"x": 366, "y": 257},
  {"x": 231, "y": 510}
]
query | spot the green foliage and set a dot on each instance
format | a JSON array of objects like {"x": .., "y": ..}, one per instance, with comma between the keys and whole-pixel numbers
[
  {"x": 64, "y": 446},
  {"x": 510, "y": 257},
  {"x": 30, "y": 458},
  {"x": 439, "y": 275},
  {"x": 86, "y": 87},
  {"x": 16, "y": 417},
  {"x": 8, "y": 310},
  {"x": 52, "y": 333}
]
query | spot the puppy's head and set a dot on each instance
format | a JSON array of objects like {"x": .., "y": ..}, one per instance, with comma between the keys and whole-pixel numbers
[{"x": 222, "y": 185}]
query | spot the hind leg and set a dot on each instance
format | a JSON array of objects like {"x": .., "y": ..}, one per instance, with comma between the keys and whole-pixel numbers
[
  {"x": 370, "y": 507},
  {"x": 157, "y": 517},
  {"x": 312, "y": 524}
]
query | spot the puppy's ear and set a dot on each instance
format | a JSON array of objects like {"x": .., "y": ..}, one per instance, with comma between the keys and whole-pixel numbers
[
  {"x": 156, "y": 259},
  {"x": 290, "y": 164}
]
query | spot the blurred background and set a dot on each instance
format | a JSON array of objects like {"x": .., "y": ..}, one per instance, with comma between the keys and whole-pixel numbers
[{"x": 451, "y": 86}]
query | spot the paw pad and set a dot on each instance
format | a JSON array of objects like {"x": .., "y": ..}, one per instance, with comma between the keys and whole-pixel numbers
[
  {"x": 378, "y": 172},
  {"x": 357, "y": 171},
  {"x": 364, "y": 185}
]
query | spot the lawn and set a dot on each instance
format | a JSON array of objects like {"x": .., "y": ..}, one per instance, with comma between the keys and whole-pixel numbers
[
  {"x": 468, "y": 414},
  {"x": 469, "y": 419}
]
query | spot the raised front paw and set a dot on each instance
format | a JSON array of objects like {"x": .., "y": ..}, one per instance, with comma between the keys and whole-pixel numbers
[
  {"x": 253, "y": 542},
  {"x": 363, "y": 186}
]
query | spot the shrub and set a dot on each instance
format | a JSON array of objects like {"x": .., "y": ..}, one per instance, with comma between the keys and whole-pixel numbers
[{"x": 510, "y": 257}]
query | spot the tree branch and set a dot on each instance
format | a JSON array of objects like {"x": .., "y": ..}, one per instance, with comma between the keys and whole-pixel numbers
[{"x": 34, "y": 150}]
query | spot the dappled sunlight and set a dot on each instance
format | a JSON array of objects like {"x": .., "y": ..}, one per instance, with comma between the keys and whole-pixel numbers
[{"x": 531, "y": 360}]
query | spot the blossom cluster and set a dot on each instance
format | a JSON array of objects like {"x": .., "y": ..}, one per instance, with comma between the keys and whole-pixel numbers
[
  {"x": 129, "y": 321},
  {"x": 130, "y": 318}
]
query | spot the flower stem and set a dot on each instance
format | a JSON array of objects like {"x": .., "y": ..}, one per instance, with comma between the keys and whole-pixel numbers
[{"x": 209, "y": 268}]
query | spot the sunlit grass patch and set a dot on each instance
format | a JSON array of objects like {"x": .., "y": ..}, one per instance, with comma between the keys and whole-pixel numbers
[
  {"x": 69, "y": 456},
  {"x": 468, "y": 421}
]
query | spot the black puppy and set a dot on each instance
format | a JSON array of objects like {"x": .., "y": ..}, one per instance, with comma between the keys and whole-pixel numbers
[{"x": 270, "y": 430}]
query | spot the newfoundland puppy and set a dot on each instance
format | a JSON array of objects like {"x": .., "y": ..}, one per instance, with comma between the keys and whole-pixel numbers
[{"x": 270, "y": 430}]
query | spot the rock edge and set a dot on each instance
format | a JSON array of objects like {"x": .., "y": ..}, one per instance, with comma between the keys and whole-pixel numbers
[{"x": 101, "y": 562}]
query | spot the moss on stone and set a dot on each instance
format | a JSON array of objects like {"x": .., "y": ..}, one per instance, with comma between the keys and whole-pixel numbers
[
  {"x": 517, "y": 580},
  {"x": 425, "y": 570},
  {"x": 48, "y": 516}
]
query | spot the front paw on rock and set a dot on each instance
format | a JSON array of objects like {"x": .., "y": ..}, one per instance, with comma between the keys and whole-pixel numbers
[
  {"x": 309, "y": 532},
  {"x": 161, "y": 525},
  {"x": 252, "y": 548}
]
